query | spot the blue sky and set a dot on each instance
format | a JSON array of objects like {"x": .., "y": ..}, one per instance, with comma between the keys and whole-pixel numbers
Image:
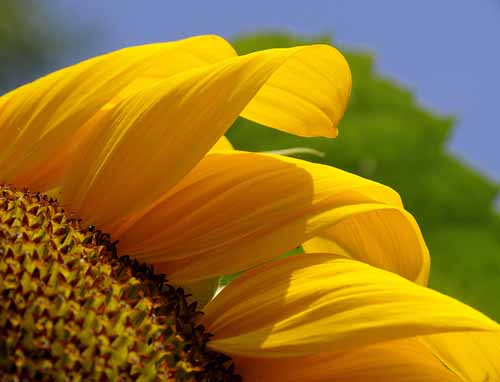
[{"x": 446, "y": 51}]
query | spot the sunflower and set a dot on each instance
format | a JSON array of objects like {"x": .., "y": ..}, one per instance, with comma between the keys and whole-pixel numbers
[{"x": 131, "y": 144}]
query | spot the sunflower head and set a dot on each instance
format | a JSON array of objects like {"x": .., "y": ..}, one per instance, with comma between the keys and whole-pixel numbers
[{"x": 70, "y": 308}]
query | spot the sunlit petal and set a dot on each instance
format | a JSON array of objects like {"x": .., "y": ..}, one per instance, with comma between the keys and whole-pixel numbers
[
  {"x": 39, "y": 121},
  {"x": 236, "y": 210},
  {"x": 405, "y": 360},
  {"x": 222, "y": 144},
  {"x": 155, "y": 136},
  {"x": 474, "y": 356},
  {"x": 291, "y": 103},
  {"x": 314, "y": 303}
]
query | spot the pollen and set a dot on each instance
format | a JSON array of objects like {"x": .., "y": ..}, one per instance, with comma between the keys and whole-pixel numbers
[{"x": 71, "y": 309}]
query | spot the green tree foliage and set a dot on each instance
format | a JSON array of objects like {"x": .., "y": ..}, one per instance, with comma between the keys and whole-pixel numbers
[
  {"x": 30, "y": 41},
  {"x": 386, "y": 136}
]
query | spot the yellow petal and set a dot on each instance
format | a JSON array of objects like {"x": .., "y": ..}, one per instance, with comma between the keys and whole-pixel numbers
[
  {"x": 315, "y": 303},
  {"x": 155, "y": 136},
  {"x": 222, "y": 144},
  {"x": 236, "y": 210},
  {"x": 307, "y": 97},
  {"x": 405, "y": 360},
  {"x": 389, "y": 239},
  {"x": 38, "y": 121},
  {"x": 473, "y": 356}
]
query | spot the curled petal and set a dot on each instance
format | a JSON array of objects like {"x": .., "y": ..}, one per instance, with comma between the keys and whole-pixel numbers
[
  {"x": 290, "y": 102},
  {"x": 388, "y": 238}
]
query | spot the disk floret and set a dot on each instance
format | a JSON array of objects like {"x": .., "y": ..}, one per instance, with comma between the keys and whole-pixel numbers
[{"x": 71, "y": 309}]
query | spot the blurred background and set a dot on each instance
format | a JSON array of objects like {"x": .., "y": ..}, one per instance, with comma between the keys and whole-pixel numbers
[{"x": 422, "y": 117}]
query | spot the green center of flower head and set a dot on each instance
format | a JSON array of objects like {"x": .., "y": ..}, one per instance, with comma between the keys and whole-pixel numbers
[{"x": 71, "y": 309}]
